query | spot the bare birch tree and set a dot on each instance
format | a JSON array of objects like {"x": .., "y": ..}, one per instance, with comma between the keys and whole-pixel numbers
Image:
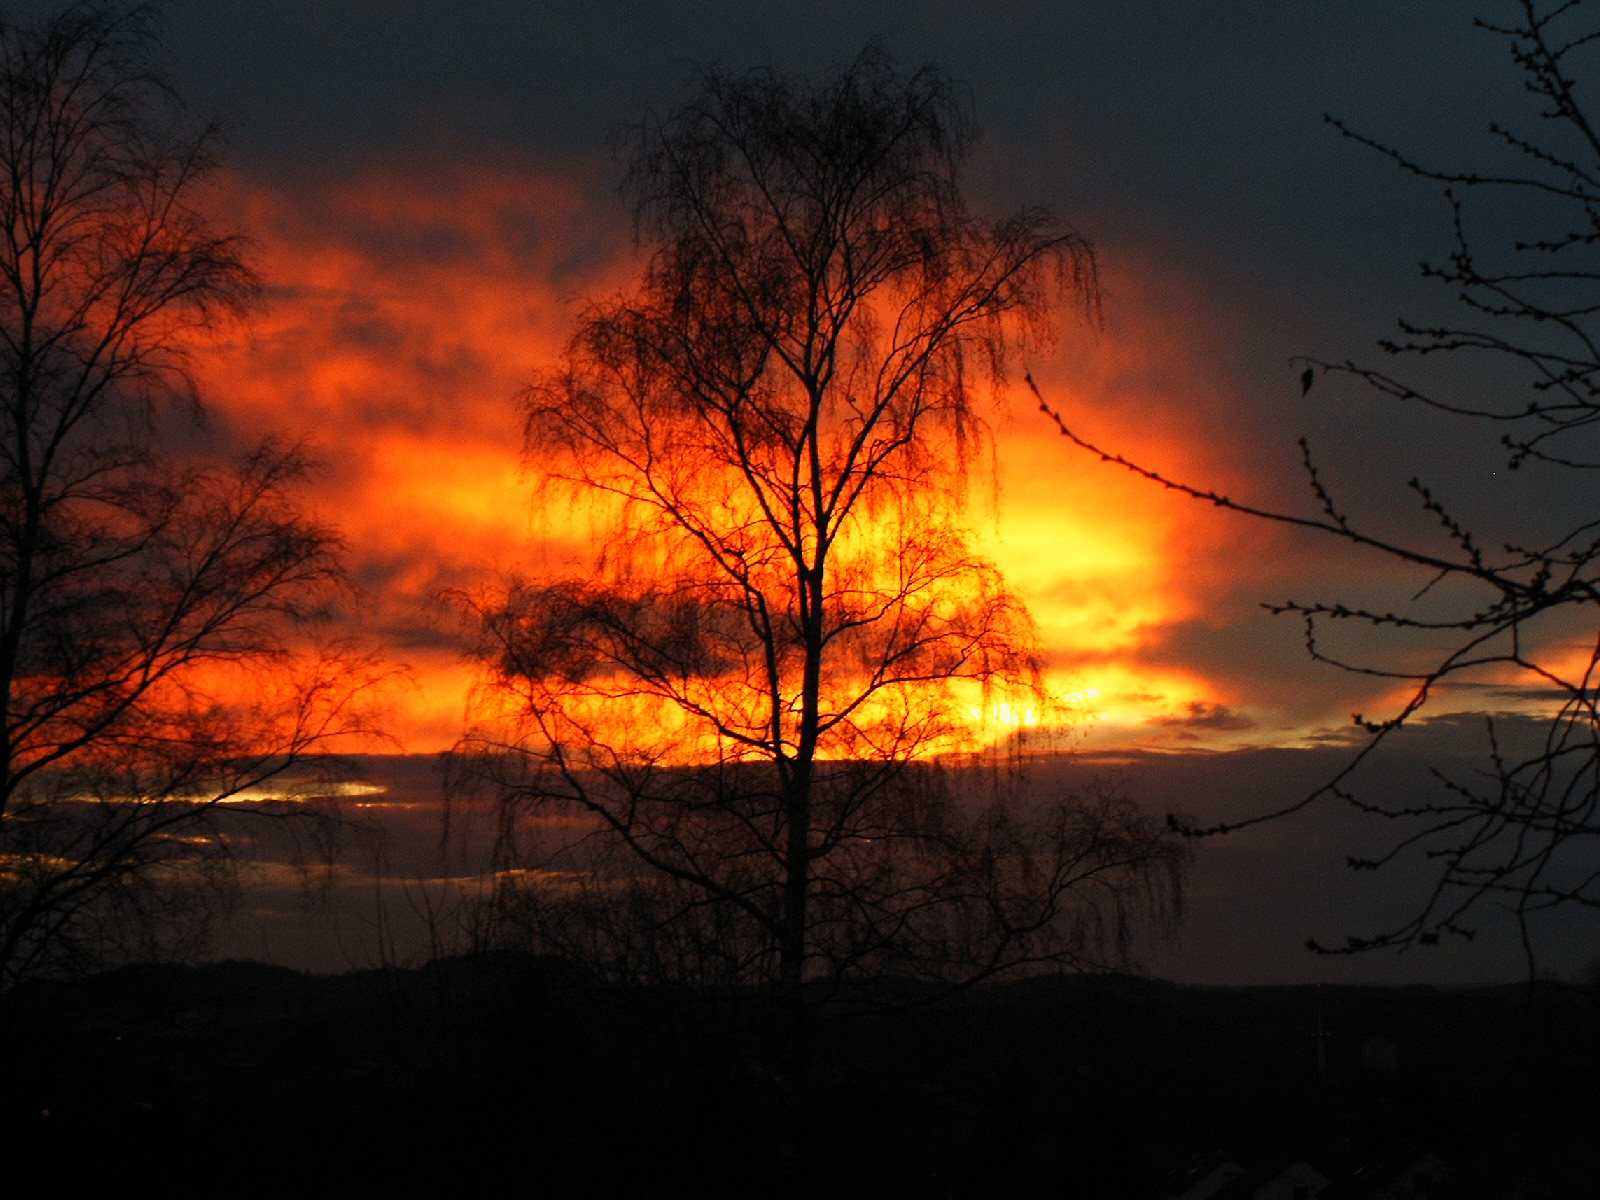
[{"x": 751, "y": 701}]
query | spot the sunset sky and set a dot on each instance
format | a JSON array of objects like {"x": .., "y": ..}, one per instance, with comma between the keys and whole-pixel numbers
[{"x": 432, "y": 197}]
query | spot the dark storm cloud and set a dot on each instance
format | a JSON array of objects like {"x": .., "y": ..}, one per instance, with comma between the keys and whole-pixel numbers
[
  {"x": 1201, "y": 715},
  {"x": 1535, "y": 695},
  {"x": 1190, "y": 123},
  {"x": 1259, "y": 894},
  {"x": 1254, "y": 899}
]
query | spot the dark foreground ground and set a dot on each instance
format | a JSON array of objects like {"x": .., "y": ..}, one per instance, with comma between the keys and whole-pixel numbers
[{"x": 517, "y": 1073}]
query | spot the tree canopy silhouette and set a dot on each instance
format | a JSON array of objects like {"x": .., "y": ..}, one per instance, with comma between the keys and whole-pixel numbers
[
  {"x": 750, "y": 699},
  {"x": 147, "y": 670},
  {"x": 1523, "y": 273}
]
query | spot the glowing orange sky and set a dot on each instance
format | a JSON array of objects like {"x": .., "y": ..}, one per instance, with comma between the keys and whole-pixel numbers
[{"x": 406, "y": 314}]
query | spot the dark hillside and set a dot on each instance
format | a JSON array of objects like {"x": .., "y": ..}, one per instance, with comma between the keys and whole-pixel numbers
[{"x": 505, "y": 1069}]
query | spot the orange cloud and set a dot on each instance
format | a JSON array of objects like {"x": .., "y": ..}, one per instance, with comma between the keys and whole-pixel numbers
[
  {"x": 405, "y": 315},
  {"x": 1111, "y": 563}
]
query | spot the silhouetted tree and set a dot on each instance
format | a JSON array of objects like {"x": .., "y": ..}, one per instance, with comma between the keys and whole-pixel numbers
[
  {"x": 1522, "y": 833},
  {"x": 148, "y": 681},
  {"x": 743, "y": 700}
]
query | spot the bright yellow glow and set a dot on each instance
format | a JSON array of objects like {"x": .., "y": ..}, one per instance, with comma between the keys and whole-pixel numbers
[{"x": 311, "y": 792}]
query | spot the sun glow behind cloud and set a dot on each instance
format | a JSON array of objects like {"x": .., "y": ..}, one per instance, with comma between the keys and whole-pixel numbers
[{"x": 405, "y": 316}]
